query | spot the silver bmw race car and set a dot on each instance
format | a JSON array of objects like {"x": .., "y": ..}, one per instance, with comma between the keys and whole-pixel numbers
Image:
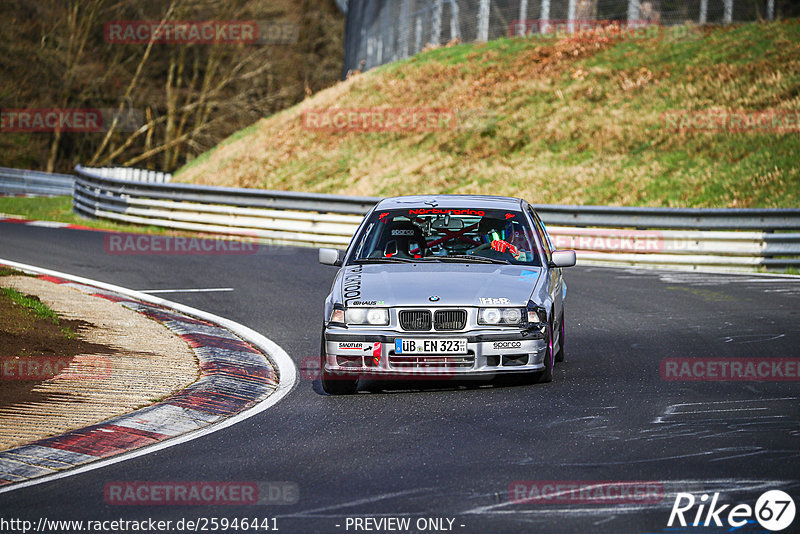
[{"x": 444, "y": 286}]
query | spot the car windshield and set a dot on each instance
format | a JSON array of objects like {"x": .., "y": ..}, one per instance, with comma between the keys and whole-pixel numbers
[{"x": 446, "y": 234}]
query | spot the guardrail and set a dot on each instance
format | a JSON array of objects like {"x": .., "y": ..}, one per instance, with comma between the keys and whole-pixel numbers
[
  {"x": 131, "y": 174},
  {"x": 39, "y": 183},
  {"x": 677, "y": 238},
  {"x": 278, "y": 216},
  {"x": 34, "y": 183}
]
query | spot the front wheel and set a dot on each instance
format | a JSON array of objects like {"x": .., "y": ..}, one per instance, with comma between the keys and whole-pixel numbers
[
  {"x": 334, "y": 384},
  {"x": 547, "y": 374},
  {"x": 560, "y": 353}
]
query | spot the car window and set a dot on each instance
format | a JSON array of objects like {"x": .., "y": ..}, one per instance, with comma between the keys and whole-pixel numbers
[
  {"x": 543, "y": 235},
  {"x": 549, "y": 238},
  {"x": 429, "y": 233}
]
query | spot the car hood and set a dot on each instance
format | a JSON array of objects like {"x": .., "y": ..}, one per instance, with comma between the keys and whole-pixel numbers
[{"x": 454, "y": 284}]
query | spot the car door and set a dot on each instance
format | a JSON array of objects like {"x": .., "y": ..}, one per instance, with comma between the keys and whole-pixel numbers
[{"x": 556, "y": 287}]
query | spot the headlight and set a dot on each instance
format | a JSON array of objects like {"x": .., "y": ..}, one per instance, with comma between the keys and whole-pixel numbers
[
  {"x": 489, "y": 316},
  {"x": 378, "y": 316},
  {"x": 372, "y": 316},
  {"x": 356, "y": 315},
  {"x": 503, "y": 316},
  {"x": 512, "y": 315}
]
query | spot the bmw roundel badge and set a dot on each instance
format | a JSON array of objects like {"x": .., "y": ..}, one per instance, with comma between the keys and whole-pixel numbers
[{"x": 434, "y": 298}]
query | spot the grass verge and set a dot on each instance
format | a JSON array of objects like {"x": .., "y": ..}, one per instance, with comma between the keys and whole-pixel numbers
[
  {"x": 59, "y": 209},
  {"x": 29, "y": 302}
]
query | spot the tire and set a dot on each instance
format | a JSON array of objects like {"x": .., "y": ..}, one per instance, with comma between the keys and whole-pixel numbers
[
  {"x": 545, "y": 376},
  {"x": 334, "y": 384},
  {"x": 560, "y": 353}
]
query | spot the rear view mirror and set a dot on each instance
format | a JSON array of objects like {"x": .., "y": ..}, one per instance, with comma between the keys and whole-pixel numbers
[
  {"x": 329, "y": 256},
  {"x": 443, "y": 224},
  {"x": 563, "y": 258}
]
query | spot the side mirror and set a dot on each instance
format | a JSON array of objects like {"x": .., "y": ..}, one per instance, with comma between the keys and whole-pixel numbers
[
  {"x": 563, "y": 258},
  {"x": 329, "y": 256}
]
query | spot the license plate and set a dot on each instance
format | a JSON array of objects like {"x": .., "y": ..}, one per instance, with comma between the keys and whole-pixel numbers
[{"x": 430, "y": 346}]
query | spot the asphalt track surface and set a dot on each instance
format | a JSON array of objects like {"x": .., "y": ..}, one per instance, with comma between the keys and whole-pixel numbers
[{"x": 452, "y": 450}]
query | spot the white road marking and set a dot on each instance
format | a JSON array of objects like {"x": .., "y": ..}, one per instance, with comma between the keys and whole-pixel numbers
[
  {"x": 606, "y": 520},
  {"x": 733, "y": 401},
  {"x": 759, "y": 338},
  {"x": 715, "y": 411},
  {"x": 284, "y": 366},
  {"x": 199, "y": 290},
  {"x": 701, "y": 274},
  {"x": 670, "y": 410}
]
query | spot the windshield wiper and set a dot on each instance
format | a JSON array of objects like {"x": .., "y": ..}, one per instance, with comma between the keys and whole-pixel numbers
[
  {"x": 385, "y": 260},
  {"x": 477, "y": 259}
]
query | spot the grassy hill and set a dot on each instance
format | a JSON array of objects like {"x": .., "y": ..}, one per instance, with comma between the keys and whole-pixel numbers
[{"x": 588, "y": 120}]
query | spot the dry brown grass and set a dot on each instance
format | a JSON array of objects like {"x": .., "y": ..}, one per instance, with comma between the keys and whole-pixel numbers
[{"x": 576, "y": 121}]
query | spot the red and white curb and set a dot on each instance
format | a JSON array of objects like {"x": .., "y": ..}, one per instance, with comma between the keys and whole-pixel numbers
[
  {"x": 242, "y": 374},
  {"x": 45, "y": 224}
]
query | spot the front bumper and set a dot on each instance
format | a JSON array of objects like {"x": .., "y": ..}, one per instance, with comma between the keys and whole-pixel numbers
[{"x": 352, "y": 352}]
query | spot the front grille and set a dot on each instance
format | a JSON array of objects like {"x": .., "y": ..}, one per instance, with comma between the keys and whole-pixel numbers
[
  {"x": 450, "y": 320},
  {"x": 415, "y": 320},
  {"x": 432, "y": 361},
  {"x": 443, "y": 320},
  {"x": 356, "y": 361}
]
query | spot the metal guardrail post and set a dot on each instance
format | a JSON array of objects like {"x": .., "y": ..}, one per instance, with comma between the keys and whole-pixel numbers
[
  {"x": 436, "y": 23},
  {"x": 455, "y": 24},
  {"x": 633, "y": 12},
  {"x": 483, "y": 21},
  {"x": 523, "y": 17},
  {"x": 405, "y": 28}
]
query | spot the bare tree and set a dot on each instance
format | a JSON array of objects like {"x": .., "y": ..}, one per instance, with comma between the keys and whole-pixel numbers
[
  {"x": 189, "y": 96},
  {"x": 81, "y": 18}
]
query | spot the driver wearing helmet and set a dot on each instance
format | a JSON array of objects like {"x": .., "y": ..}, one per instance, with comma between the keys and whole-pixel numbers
[{"x": 496, "y": 234}]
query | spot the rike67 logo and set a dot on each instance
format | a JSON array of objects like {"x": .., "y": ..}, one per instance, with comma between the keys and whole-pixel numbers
[{"x": 774, "y": 511}]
